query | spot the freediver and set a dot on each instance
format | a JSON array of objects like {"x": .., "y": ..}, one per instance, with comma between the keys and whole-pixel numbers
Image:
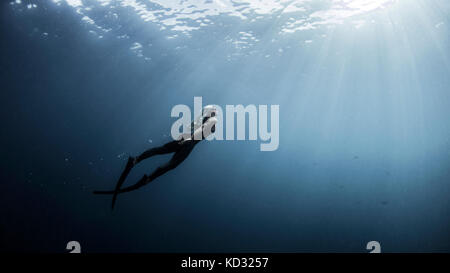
[{"x": 201, "y": 128}]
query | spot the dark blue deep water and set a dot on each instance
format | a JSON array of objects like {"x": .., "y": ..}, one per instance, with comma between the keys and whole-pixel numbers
[{"x": 364, "y": 153}]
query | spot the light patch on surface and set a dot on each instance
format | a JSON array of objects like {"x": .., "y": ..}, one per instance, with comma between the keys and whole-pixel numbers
[
  {"x": 190, "y": 15},
  {"x": 244, "y": 40},
  {"x": 178, "y": 18},
  {"x": 74, "y": 3},
  {"x": 87, "y": 20},
  {"x": 338, "y": 12},
  {"x": 137, "y": 48}
]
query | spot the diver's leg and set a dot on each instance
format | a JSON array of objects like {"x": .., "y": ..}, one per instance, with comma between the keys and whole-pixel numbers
[
  {"x": 170, "y": 147},
  {"x": 132, "y": 161},
  {"x": 177, "y": 158},
  {"x": 143, "y": 181},
  {"x": 149, "y": 178}
]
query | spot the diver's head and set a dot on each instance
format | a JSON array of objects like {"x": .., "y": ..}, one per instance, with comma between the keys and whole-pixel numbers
[{"x": 208, "y": 112}]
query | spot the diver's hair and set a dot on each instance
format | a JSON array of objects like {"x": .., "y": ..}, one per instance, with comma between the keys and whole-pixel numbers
[{"x": 206, "y": 108}]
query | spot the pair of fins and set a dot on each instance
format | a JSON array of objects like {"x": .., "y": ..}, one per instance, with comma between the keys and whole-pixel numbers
[{"x": 116, "y": 191}]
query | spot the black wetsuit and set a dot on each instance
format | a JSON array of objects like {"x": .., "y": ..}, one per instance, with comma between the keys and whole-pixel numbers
[{"x": 180, "y": 148}]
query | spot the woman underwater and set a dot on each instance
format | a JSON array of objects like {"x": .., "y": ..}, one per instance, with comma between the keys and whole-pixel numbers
[{"x": 200, "y": 129}]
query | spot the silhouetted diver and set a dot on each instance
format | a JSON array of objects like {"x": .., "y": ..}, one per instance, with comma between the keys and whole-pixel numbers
[{"x": 182, "y": 148}]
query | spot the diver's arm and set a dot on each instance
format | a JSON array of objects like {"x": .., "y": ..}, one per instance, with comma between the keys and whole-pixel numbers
[
  {"x": 191, "y": 129},
  {"x": 200, "y": 123},
  {"x": 204, "y": 131},
  {"x": 209, "y": 127},
  {"x": 196, "y": 135}
]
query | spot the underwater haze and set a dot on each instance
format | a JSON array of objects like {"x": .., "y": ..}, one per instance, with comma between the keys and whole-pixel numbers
[{"x": 364, "y": 149}]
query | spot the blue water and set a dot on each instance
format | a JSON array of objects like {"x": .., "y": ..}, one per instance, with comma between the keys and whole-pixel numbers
[{"x": 364, "y": 154}]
